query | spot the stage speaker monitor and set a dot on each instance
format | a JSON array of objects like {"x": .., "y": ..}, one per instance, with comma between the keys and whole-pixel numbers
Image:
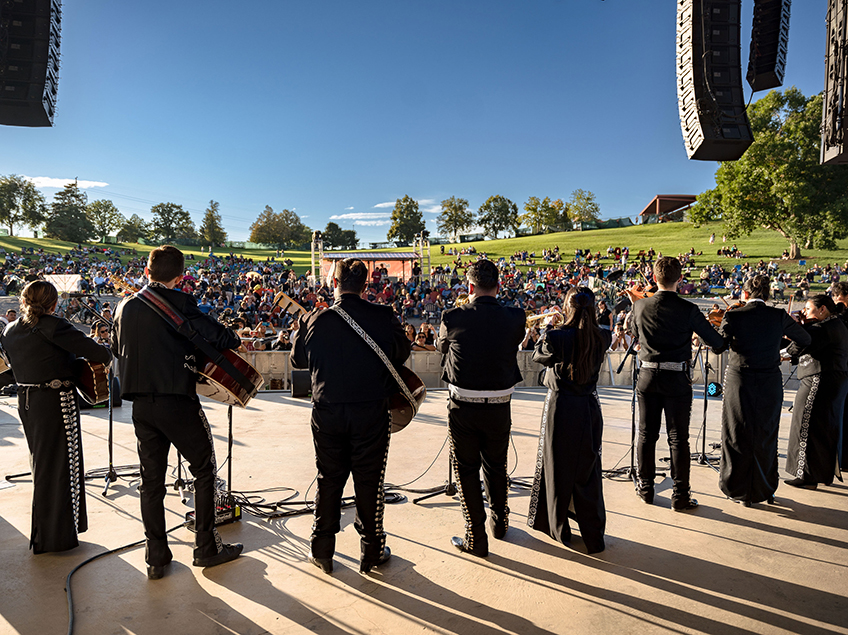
[
  {"x": 769, "y": 44},
  {"x": 30, "y": 32},
  {"x": 709, "y": 80},
  {"x": 833, "y": 146},
  {"x": 301, "y": 384}
]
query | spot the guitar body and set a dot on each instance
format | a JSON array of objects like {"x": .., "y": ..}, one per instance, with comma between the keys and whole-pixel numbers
[
  {"x": 402, "y": 410},
  {"x": 217, "y": 384},
  {"x": 92, "y": 381}
]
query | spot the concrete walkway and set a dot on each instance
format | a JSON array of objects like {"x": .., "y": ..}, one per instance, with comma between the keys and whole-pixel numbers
[{"x": 721, "y": 569}]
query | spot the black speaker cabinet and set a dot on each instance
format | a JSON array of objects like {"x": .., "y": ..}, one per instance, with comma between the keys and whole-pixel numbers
[
  {"x": 29, "y": 61},
  {"x": 301, "y": 384},
  {"x": 769, "y": 44},
  {"x": 709, "y": 80},
  {"x": 834, "y": 148}
]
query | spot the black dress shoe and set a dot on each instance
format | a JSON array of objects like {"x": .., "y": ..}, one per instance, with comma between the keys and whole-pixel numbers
[
  {"x": 770, "y": 500},
  {"x": 365, "y": 566},
  {"x": 684, "y": 505},
  {"x": 799, "y": 482},
  {"x": 227, "y": 553},
  {"x": 156, "y": 572},
  {"x": 498, "y": 529},
  {"x": 325, "y": 564},
  {"x": 740, "y": 501},
  {"x": 460, "y": 544},
  {"x": 647, "y": 496}
]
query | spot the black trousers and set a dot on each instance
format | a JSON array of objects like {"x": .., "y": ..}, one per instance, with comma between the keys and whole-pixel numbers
[
  {"x": 350, "y": 439},
  {"x": 669, "y": 392},
  {"x": 479, "y": 436},
  {"x": 162, "y": 420}
]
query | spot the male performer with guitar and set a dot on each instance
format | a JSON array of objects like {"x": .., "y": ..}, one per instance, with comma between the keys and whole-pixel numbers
[
  {"x": 479, "y": 341},
  {"x": 158, "y": 374},
  {"x": 351, "y": 386}
]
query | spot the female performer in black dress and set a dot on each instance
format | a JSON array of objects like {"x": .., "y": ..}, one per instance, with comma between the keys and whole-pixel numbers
[
  {"x": 41, "y": 348},
  {"x": 753, "y": 394},
  {"x": 568, "y": 470},
  {"x": 814, "y": 437}
]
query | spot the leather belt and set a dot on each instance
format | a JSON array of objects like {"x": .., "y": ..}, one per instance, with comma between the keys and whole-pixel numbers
[
  {"x": 678, "y": 366},
  {"x": 503, "y": 399},
  {"x": 55, "y": 384}
]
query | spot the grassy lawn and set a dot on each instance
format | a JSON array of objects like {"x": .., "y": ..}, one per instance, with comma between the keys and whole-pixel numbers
[{"x": 669, "y": 239}]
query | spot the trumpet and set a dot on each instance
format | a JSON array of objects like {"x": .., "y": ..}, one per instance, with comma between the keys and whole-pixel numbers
[
  {"x": 555, "y": 315},
  {"x": 462, "y": 299}
]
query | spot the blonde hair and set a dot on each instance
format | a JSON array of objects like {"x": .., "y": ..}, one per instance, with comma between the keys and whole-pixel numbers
[{"x": 38, "y": 298}]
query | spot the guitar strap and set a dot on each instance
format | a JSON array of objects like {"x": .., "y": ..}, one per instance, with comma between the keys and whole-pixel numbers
[
  {"x": 368, "y": 340},
  {"x": 181, "y": 325}
]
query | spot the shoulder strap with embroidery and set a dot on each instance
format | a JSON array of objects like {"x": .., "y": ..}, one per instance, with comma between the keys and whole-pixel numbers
[{"x": 368, "y": 340}]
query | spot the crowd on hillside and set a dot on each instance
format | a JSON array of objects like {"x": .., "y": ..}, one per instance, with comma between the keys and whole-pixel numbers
[{"x": 240, "y": 291}]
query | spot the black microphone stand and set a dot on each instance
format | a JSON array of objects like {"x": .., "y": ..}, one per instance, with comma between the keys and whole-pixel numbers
[
  {"x": 449, "y": 488},
  {"x": 702, "y": 457}
]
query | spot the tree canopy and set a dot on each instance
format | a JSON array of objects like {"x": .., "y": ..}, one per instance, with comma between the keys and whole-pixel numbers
[
  {"x": 171, "y": 223},
  {"x": 20, "y": 203},
  {"x": 133, "y": 229},
  {"x": 335, "y": 236},
  {"x": 67, "y": 219},
  {"x": 105, "y": 217},
  {"x": 582, "y": 207},
  {"x": 542, "y": 214},
  {"x": 406, "y": 220},
  {"x": 211, "y": 230},
  {"x": 284, "y": 229},
  {"x": 778, "y": 184},
  {"x": 455, "y": 217},
  {"x": 498, "y": 214}
]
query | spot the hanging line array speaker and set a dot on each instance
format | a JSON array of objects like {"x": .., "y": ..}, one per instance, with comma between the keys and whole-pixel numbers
[
  {"x": 709, "y": 80},
  {"x": 833, "y": 148},
  {"x": 30, "y": 32},
  {"x": 769, "y": 44}
]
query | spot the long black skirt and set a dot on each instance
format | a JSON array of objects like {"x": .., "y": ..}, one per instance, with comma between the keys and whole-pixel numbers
[
  {"x": 814, "y": 437},
  {"x": 568, "y": 470},
  {"x": 52, "y": 427},
  {"x": 750, "y": 420}
]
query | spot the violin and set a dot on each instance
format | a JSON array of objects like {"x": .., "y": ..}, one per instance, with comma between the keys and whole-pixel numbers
[{"x": 716, "y": 316}]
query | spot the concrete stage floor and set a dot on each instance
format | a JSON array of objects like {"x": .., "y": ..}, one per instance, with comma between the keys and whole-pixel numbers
[{"x": 721, "y": 569}]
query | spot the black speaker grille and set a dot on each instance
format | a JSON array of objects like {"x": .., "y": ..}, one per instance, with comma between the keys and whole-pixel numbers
[
  {"x": 769, "y": 44},
  {"x": 833, "y": 147}
]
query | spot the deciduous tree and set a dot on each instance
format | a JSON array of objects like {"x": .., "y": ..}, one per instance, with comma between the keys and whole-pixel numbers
[
  {"x": 406, "y": 220},
  {"x": 284, "y": 229},
  {"x": 105, "y": 217},
  {"x": 583, "y": 208},
  {"x": 498, "y": 214},
  {"x": 171, "y": 223},
  {"x": 20, "y": 203},
  {"x": 539, "y": 215},
  {"x": 778, "y": 183},
  {"x": 455, "y": 217},
  {"x": 335, "y": 236},
  {"x": 133, "y": 229}
]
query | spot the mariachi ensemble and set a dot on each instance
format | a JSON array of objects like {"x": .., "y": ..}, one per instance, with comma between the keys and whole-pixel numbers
[{"x": 160, "y": 339}]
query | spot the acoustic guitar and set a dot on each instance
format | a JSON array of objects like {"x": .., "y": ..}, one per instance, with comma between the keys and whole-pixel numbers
[
  {"x": 91, "y": 380},
  {"x": 401, "y": 408},
  {"x": 216, "y": 383}
]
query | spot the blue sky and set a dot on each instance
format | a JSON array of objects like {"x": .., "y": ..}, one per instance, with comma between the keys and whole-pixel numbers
[{"x": 337, "y": 108}]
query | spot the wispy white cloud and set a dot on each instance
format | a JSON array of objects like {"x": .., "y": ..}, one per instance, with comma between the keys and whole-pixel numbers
[
  {"x": 357, "y": 216},
  {"x": 347, "y": 208},
  {"x": 305, "y": 216},
  {"x": 384, "y": 205},
  {"x": 432, "y": 209},
  {"x": 374, "y": 222},
  {"x": 426, "y": 201},
  {"x": 49, "y": 181}
]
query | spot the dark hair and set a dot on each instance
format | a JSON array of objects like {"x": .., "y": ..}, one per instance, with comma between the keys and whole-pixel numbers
[
  {"x": 839, "y": 288},
  {"x": 165, "y": 263},
  {"x": 587, "y": 352},
  {"x": 822, "y": 300},
  {"x": 352, "y": 275},
  {"x": 667, "y": 271},
  {"x": 484, "y": 274},
  {"x": 38, "y": 298},
  {"x": 757, "y": 287}
]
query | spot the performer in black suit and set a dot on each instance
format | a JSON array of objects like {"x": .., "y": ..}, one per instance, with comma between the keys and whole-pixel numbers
[
  {"x": 812, "y": 454},
  {"x": 664, "y": 324},
  {"x": 479, "y": 341},
  {"x": 753, "y": 393},
  {"x": 41, "y": 349},
  {"x": 351, "y": 422},
  {"x": 839, "y": 293},
  {"x": 568, "y": 467},
  {"x": 158, "y": 374}
]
